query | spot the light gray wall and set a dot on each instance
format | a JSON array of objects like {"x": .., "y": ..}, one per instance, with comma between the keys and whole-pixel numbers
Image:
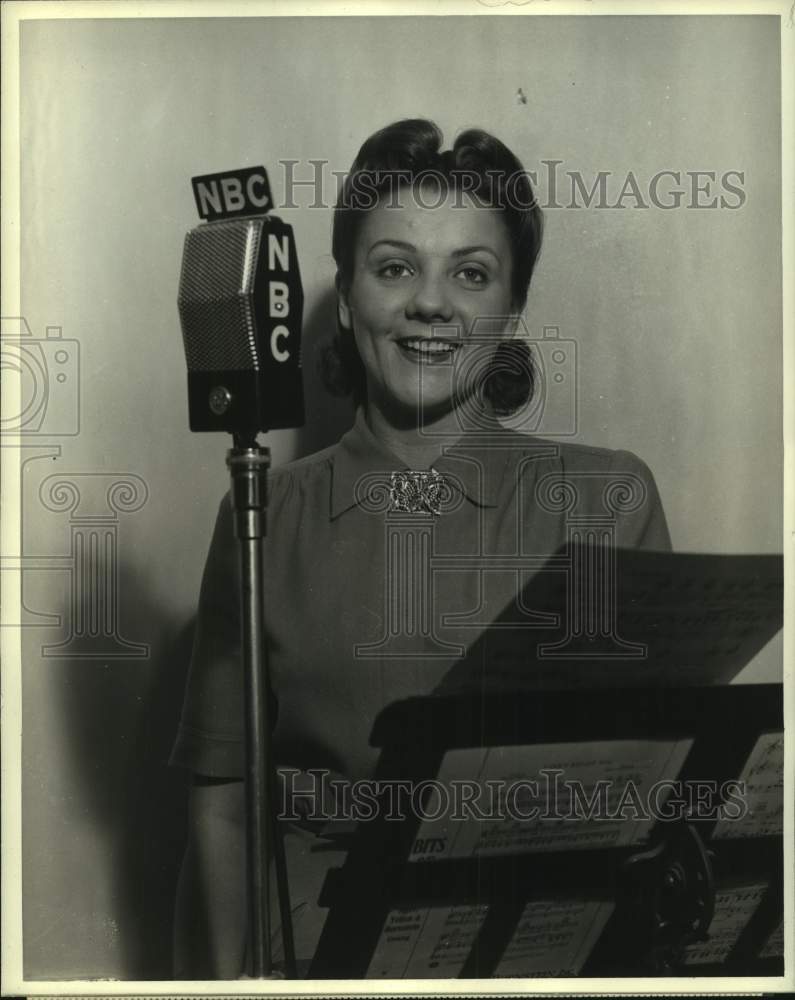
[{"x": 676, "y": 315}]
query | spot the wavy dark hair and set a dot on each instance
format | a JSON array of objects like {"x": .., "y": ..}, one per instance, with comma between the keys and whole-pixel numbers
[{"x": 407, "y": 153}]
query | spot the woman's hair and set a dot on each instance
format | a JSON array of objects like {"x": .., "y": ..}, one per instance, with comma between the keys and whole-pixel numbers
[{"x": 405, "y": 155}]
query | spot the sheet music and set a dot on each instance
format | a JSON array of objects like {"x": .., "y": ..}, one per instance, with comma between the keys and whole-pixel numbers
[
  {"x": 763, "y": 775},
  {"x": 426, "y": 942},
  {"x": 774, "y": 946},
  {"x": 701, "y": 618},
  {"x": 554, "y": 938},
  {"x": 734, "y": 907},
  {"x": 614, "y": 777}
]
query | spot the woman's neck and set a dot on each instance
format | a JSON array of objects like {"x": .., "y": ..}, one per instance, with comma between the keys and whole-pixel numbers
[{"x": 419, "y": 446}]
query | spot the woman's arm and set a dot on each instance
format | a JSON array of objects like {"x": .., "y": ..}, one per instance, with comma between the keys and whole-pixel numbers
[{"x": 210, "y": 918}]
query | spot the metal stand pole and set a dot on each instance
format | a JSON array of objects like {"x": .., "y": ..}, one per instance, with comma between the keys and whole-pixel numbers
[{"x": 248, "y": 464}]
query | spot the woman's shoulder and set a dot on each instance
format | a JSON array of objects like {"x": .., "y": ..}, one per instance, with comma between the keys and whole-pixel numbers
[
  {"x": 603, "y": 481},
  {"x": 307, "y": 474},
  {"x": 307, "y": 465},
  {"x": 574, "y": 457}
]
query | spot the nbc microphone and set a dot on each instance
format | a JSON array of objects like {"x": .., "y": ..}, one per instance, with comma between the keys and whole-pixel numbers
[{"x": 240, "y": 306}]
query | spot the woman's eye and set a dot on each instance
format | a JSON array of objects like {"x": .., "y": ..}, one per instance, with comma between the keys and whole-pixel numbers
[
  {"x": 395, "y": 269},
  {"x": 473, "y": 275}
]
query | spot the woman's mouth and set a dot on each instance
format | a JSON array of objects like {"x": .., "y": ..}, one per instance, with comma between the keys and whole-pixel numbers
[{"x": 428, "y": 350}]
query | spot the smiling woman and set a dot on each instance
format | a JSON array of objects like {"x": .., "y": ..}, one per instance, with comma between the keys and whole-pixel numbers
[
  {"x": 435, "y": 251},
  {"x": 458, "y": 234},
  {"x": 416, "y": 270}
]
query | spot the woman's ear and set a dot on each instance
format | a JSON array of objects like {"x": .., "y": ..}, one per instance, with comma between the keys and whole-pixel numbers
[{"x": 343, "y": 306}]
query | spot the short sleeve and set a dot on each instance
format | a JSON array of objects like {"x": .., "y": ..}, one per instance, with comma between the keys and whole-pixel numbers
[
  {"x": 642, "y": 525},
  {"x": 210, "y": 738}
]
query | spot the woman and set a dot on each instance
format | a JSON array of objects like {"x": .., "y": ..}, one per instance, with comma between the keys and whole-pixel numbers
[{"x": 435, "y": 252}]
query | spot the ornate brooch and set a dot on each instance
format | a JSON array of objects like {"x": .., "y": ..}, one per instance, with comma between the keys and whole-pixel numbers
[{"x": 416, "y": 492}]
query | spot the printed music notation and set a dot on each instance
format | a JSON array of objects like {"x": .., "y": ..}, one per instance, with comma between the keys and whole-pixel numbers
[
  {"x": 691, "y": 619},
  {"x": 763, "y": 777},
  {"x": 734, "y": 907},
  {"x": 554, "y": 938},
  {"x": 582, "y": 796},
  {"x": 426, "y": 942}
]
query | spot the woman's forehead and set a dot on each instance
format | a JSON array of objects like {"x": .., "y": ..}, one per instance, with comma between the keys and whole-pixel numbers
[{"x": 434, "y": 222}]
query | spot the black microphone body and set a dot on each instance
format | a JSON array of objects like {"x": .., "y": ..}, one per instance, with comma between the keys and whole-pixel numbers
[{"x": 241, "y": 305}]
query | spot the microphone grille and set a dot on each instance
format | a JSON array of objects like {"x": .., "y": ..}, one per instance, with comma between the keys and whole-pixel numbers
[{"x": 216, "y": 295}]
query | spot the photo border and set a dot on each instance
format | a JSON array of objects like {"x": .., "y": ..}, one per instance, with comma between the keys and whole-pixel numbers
[{"x": 16, "y": 11}]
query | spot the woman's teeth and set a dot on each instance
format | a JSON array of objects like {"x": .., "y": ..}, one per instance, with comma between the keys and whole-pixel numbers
[{"x": 425, "y": 346}]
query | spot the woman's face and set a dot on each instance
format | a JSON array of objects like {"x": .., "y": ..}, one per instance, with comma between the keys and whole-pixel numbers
[{"x": 422, "y": 276}]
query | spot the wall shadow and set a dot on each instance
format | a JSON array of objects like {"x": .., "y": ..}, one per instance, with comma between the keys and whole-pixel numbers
[
  {"x": 154, "y": 827},
  {"x": 116, "y": 721}
]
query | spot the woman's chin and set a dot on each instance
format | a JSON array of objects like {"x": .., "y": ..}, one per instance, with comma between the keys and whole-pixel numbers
[
  {"x": 407, "y": 406},
  {"x": 425, "y": 395}
]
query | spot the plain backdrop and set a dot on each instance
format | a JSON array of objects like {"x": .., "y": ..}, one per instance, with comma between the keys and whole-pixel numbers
[{"x": 676, "y": 317}]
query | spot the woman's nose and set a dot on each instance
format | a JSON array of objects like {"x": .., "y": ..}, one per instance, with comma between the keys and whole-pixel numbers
[{"x": 429, "y": 300}]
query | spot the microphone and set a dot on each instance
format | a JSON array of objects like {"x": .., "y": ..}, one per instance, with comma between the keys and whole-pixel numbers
[{"x": 240, "y": 306}]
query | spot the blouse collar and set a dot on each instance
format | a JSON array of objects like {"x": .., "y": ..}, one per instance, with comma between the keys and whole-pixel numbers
[{"x": 474, "y": 464}]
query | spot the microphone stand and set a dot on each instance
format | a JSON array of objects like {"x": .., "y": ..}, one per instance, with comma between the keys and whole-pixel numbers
[{"x": 248, "y": 465}]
